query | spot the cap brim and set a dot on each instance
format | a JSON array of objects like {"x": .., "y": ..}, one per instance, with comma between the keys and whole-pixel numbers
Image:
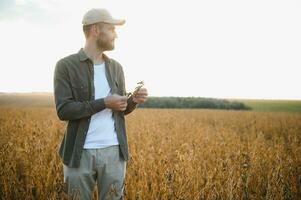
[{"x": 117, "y": 22}]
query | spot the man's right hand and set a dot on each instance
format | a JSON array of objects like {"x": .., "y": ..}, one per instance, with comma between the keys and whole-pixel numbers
[{"x": 116, "y": 102}]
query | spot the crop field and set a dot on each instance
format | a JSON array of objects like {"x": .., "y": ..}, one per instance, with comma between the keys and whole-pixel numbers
[
  {"x": 175, "y": 154},
  {"x": 274, "y": 105}
]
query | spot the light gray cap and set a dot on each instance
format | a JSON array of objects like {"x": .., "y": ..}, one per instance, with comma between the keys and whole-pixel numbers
[{"x": 97, "y": 15}]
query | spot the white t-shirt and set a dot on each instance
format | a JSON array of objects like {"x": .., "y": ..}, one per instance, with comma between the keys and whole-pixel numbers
[{"x": 101, "y": 131}]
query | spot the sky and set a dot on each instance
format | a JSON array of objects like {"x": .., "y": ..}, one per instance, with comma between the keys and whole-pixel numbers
[{"x": 216, "y": 48}]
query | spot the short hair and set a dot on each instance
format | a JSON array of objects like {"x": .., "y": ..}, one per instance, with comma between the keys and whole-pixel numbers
[{"x": 87, "y": 28}]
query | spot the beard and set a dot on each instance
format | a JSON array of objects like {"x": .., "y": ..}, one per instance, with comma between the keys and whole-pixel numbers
[{"x": 104, "y": 45}]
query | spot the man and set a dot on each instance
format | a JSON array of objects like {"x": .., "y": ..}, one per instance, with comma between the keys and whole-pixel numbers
[{"x": 89, "y": 91}]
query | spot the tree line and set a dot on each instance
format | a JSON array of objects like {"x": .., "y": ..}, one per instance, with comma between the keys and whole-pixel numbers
[
  {"x": 193, "y": 102},
  {"x": 152, "y": 102}
]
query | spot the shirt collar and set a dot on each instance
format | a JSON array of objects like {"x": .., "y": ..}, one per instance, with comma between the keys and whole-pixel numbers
[{"x": 84, "y": 57}]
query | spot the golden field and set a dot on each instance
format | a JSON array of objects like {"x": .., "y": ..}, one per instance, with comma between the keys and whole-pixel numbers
[{"x": 175, "y": 154}]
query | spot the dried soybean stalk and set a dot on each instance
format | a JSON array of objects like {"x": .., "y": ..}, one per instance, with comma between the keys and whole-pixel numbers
[{"x": 140, "y": 84}]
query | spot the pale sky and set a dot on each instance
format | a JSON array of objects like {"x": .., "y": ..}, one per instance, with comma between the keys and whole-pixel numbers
[{"x": 213, "y": 48}]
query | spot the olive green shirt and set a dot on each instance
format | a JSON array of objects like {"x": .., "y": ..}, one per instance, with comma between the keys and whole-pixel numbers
[{"x": 75, "y": 102}]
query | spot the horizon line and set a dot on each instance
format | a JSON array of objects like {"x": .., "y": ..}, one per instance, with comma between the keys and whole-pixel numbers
[{"x": 228, "y": 98}]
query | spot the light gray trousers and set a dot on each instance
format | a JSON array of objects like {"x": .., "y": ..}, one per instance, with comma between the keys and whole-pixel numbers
[{"x": 102, "y": 167}]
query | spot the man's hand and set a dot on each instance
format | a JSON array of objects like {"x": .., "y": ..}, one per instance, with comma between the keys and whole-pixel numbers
[
  {"x": 140, "y": 96},
  {"x": 116, "y": 102}
]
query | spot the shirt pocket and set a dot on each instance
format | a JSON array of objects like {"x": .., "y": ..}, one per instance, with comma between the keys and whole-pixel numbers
[{"x": 80, "y": 91}]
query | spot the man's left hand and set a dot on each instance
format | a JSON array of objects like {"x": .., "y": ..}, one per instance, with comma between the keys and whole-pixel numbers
[{"x": 140, "y": 96}]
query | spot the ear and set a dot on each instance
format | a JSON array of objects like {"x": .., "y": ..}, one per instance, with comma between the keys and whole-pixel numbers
[{"x": 94, "y": 30}]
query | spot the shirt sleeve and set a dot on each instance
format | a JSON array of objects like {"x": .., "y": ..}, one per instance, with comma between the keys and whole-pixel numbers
[
  {"x": 131, "y": 105},
  {"x": 66, "y": 106}
]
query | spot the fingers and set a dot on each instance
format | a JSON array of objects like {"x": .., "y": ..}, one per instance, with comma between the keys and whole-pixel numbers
[
  {"x": 119, "y": 103},
  {"x": 140, "y": 96},
  {"x": 140, "y": 99},
  {"x": 141, "y": 92},
  {"x": 116, "y": 102},
  {"x": 123, "y": 103},
  {"x": 122, "y": 106},
  {"x": 123, "y": 98}
]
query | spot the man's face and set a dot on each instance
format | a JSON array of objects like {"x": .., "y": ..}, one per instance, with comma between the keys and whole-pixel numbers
[{"x": 106, "y": 36}]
